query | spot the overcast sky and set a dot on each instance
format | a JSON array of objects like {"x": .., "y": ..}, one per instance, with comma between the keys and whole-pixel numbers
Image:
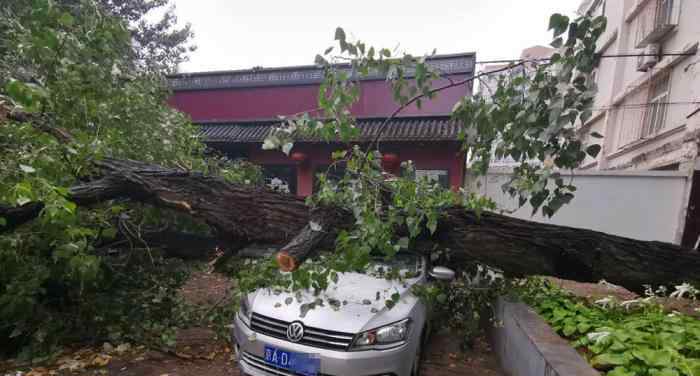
[{"x": 235, "y": 34}]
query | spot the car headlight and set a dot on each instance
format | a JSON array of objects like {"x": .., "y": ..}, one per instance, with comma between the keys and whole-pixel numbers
[
  {"x": 244, "y": 312},
  {"x": 384, "y": 335}
]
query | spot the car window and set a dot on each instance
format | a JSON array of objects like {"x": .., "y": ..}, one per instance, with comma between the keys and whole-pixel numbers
[{"x": 402, "y": 265}]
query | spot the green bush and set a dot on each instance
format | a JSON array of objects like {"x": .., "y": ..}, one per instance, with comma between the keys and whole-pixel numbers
[{"x": 635, "y": 338}]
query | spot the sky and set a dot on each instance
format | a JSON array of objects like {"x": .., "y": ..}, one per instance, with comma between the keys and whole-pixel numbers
[{"x": 236, "y": 34}]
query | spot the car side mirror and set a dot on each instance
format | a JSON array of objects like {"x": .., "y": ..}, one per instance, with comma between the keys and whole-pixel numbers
[{"x": 442, "y": 273}]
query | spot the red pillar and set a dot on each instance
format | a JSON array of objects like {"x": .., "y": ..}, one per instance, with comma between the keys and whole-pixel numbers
[
  {"x": 304, "y": 179},
  {"x": 457, "y": 167}
]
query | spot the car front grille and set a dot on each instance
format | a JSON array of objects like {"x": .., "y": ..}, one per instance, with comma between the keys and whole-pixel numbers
[
  {"x": 259, "y": 364},
  {"x": 326, "y": 339}
]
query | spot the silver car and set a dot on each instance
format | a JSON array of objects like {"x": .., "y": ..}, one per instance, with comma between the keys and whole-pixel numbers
[{"x": 351, "y": 333}]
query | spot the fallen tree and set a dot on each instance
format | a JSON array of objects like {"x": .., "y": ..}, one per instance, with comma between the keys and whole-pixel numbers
[{"x": 243, "y": 214}]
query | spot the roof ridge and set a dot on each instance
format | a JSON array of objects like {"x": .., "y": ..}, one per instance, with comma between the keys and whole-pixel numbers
[{"x": 359, "y": 118}]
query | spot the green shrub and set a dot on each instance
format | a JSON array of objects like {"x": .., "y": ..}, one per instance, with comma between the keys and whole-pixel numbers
[{"x": 635, "y": 338}]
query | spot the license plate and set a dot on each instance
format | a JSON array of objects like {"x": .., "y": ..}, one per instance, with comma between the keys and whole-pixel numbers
[{"x": 301, "y": 363}]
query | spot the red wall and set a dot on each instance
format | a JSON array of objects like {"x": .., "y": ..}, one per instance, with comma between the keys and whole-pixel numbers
[
  {"x": 376, "y": 100},
  {"x": 425, "y": 156}
]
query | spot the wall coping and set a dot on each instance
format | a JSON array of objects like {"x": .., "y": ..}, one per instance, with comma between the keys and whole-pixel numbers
[
  {"x": 526, "y": 339},
  {"x": 452, "y": 64}
]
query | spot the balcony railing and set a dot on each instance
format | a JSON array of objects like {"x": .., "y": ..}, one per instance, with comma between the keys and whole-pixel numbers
[{"x": 655, "y": 20}]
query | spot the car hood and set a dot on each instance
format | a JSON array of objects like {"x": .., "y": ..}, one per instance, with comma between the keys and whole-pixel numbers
[{"x": 361, "y": 298}]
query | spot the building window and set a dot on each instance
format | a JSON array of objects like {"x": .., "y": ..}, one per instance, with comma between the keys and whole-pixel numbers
[
  {"x": 655, "y": 19},
  {"x": 440, "y": 176},
  {"x": 281, "y": 178},
  {"x": 657, "y": 110}
]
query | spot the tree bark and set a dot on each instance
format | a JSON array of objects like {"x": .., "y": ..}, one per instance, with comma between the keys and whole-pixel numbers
[
  {"x": 236, "y": 212},
  {"x": 243, "y": 214},
  {"x": 16, "y": 216},
  {"x": 521, "y": 247}
]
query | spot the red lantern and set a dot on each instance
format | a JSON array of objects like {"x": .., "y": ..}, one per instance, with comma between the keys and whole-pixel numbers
[
  {"x": 298, "y": 156},
  {"x": 390, "y": 161}
]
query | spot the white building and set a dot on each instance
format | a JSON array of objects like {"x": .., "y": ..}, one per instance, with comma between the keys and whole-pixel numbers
[
  {"x": 647, "y": 106},
  {"x": 648, "y": 111},
  {"x": 489, "y": 84}
]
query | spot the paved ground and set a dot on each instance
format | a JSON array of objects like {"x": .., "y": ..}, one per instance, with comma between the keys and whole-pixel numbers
[
  {"x": 442, "y": 359},
  {"x": 199, "y": 353}
]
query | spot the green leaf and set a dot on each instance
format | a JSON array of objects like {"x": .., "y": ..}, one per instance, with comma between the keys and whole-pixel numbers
[
  {"x": 3, "y": 222},
  {"x": 654, "y": 358},
  {"x": 609, "y": 359},
  {"x": 596, "y": 135},
  {"x": 569, "y": 330},
  {"x": 328, "y": 50},
  {"x": 70, "y": 207},
  {"x": 586, "y": 115},
  {"x": 340, "y": 34},
  {"x": 621, "y": 371},
  {"x": 664, "y": 372},
  {"x": 21, "y": 200},
  {"x": 339, "y": 154},
  {"x": 593, "y": 150},
  {"x": 27, "y": 169},
  {"x": 557, "y": 42},
  {"x": 559, "y": 23},
  {"x": 66, "y": 20},
  {"x": 432, "y": 225},
  {"x": 109, "y": 233}
]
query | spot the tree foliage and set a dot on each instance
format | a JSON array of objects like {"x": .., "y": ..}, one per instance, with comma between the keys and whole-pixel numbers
[
  {"x": 82, "y": 81},
  {"x": 532, "y": 117},
  {"x": 79, "y": 81}
]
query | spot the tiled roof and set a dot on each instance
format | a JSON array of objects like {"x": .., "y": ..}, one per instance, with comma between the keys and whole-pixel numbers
[
  {"x": 302, "y": 75},
  {"x": 438, "y": 128}
]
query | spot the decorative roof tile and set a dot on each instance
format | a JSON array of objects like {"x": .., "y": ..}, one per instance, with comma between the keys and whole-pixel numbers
[{"x": 434, "y": 128}]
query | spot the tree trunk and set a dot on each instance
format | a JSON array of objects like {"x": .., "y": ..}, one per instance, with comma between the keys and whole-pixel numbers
[
  {"x": 243, "y": 214},
  {"x": 520, "y": 248}
]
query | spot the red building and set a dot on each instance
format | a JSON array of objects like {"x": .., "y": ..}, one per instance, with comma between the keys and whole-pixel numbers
[{"x": 237, "y": 109}]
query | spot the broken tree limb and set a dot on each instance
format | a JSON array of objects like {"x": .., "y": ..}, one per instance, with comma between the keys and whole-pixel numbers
[
  {"x": 518, "y": 247},
  {"x": 322, "y": 227},
  {"x": 235, "y": 211},
  {"x": 18, "y": 215}
]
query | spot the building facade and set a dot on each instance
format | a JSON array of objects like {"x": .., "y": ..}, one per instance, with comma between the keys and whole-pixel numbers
[
  {"x": 488, "y": 85},
  {"x": 238, "y": 109},
  {"x": 647, "y": 103}
]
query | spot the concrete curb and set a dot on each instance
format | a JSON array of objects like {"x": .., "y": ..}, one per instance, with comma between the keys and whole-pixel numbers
[{"x": 527, "y": 346}]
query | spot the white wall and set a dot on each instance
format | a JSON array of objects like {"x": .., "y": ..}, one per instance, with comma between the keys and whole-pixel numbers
[{"x": 638, "y": 205}]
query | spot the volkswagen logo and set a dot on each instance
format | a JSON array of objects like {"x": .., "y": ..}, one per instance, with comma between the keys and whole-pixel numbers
[{"x": 295, "y": 331}]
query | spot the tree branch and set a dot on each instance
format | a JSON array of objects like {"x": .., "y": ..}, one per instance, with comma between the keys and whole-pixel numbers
[
  {"x": 248, "y": 214},
  {"x": 452, "y": 84}
]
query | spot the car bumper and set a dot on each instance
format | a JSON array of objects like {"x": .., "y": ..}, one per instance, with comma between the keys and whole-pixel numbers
[{"x": 250, "y": 348}]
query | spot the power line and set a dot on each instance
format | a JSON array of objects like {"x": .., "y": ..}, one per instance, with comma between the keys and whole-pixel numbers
[{"x": 601, "y": 56}]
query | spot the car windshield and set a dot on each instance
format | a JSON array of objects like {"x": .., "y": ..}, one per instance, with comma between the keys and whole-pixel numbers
[{"x": 402, "y": 265}]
